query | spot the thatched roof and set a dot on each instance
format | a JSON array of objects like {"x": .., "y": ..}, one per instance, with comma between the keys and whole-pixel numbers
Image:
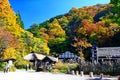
[
  {"x": 33, "y": 56},
  {"x": 39, "y": 56},
  {"x": 29, "y": 57},
  {"x": 50, "y": 59},
  {"x": 53, "y": 58},
  {"x": 6, "y": 60},
  {"x": 109, "y": 51}
]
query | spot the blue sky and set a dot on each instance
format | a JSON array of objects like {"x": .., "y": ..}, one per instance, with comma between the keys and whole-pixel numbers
[{"x": 38, "y": 11}]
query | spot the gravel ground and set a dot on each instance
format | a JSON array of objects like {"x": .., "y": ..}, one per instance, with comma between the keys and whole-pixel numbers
[{"x": 32, "y": 75}]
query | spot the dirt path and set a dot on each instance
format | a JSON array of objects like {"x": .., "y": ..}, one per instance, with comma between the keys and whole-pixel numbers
[{"x": 32, "y": 75}]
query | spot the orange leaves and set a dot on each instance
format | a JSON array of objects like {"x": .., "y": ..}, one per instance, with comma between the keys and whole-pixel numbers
[
  {"x": 7, "y": 39},
  {"x": 46, "y": 36},
  {"x": 9, "y": 43},
  {"x": 89, "y": 27},
  {"x": 15, "y": 30},
  {"x": 7, "y": 15},
  {"x": 82, "y": 43}
]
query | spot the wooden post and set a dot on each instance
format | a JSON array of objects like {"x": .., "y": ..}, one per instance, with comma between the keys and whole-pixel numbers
[
  {"x": 82, "y": 74},
  {"x": 77, "y": 72},
  {"x": 91, "y": 74},
  {"x": 73, "y": 72},
  {"x": 101, "y": 76}
]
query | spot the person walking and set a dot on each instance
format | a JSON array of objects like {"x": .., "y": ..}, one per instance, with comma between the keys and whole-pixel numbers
[{"x": 6, "y": 68}]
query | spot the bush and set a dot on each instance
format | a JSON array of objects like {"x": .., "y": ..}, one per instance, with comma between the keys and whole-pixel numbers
[
  {"x": 63, "y": 70},
  {"x": 72, "y": 66},
  {"x": 106, "y": 67},
  {"x": 55, "y": 70},
  {"x": 60, "y": 66},
  {"x": 21, "y": 64},
  {"x": 12, "y": 69},
  {"x": 2, "y": 65},
  {"x": 63, "y": 67}
]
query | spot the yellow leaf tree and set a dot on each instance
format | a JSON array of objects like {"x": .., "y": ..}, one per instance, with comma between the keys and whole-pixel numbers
[
  {"x": 10, "y": 53},
  {"x": 7, "y": 16}
]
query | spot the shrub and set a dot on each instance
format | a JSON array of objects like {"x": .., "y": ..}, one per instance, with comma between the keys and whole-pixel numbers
[
  {"x": 63, "y": 70},
  {"x": 2, "y": 65},
  {"x": 107, "y": 67},
  {"x": 21, "y": 64},
  {"x": 12, "y": 69},
  {"x": 63, "y": 67},
  {"x": 60, "y": 66},
  {"x": 55, "y": 70},
  {"x": 72, "y": 66}
]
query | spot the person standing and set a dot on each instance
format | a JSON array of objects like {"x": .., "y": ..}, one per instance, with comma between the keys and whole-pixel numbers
[{"x": 27, "y": 67}]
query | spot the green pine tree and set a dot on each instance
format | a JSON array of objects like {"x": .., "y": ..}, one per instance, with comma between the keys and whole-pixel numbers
[{"x": 19, "y": 20}]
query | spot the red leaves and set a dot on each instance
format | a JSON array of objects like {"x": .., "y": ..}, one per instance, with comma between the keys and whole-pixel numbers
[{"x": 7, "y": 39}]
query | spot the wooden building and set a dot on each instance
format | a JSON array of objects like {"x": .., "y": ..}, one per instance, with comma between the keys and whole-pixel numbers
[
  {"x": 108, "y": 53},
  {"x": 40, "y": 61},
  {"x": 67, "y": 55},
  {"x": 36, "y": 59}
]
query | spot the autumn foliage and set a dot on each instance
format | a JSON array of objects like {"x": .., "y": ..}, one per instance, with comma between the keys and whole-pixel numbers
[
  {"x": 74, "y": 31},
  {"x": 15, "y": 42},
  {"x": 79, "y": 28}
]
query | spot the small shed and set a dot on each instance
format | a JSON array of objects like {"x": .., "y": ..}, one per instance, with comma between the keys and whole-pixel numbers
[
  {"x": 67, "y": 55},
  {"x": 36, "y": 59}
]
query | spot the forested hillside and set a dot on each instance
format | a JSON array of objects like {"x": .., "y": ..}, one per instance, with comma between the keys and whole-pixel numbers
[
  {"x": 15, "y": 42},
  {"x": 74, "y": 31},
  {"x": 80, "y": 27}
]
